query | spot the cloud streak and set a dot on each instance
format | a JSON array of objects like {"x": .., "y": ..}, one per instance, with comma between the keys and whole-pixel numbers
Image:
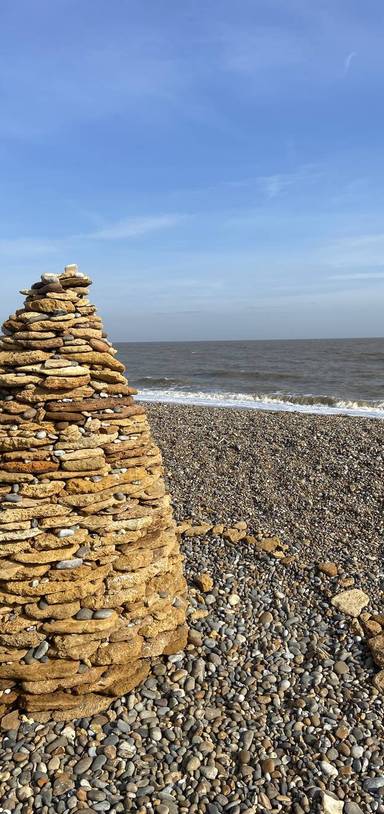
[
  {"x": 120, "y": 230},
  {"x": 276, "y": 184},
  {"x": 358, "y": 275},
  {"x": 348, "y": 61},
  {"x": 135, "y": 227},
  {"x": 356, "y": 253}
]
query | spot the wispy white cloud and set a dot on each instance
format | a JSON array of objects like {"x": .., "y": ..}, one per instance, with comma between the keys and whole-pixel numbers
[
  {"x": 361, "y": 241},
  {"x": 270, "y": 186},
  {"x": 124, "y": 229},
  {"x": 355, "y": 252},
  {"x": 276, "y": 184},
  {"x": 358, "y": 275},
  {"x": 135, "y": 227},
  {"x": 348, "y": 60}
]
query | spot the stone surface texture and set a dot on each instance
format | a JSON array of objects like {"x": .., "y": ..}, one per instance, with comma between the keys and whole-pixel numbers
[{"x": 91, "y": 582}]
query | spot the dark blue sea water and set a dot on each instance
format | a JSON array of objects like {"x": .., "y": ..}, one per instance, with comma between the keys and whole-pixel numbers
[{"x": 318, "y": 375}]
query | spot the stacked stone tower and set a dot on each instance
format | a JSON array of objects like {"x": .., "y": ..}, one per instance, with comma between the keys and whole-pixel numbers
[{"x": 91, "y": 584}]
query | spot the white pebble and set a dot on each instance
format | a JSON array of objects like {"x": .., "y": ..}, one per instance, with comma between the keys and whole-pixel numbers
[{"x": 328, "y": 769}]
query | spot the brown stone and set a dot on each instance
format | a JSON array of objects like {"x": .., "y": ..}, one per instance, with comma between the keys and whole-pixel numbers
[
  {"x": 86, "y": 707},
  {"x": 23, "y": 639},
  {"x": 83, "y": 486},
  {"x": 82, "y": 626},
  {"x": 16, "y": 359},
  {"x": 64, "y": 416},
  {"x": 109, "y": 376},
  {"x": 177, "y": 640},
  {"x": 234, "y": 535},
  {"x": 376, "y": 646},
  {"x": 53, "y": 700},
  {"x": 14, "y": 570},
  {"x": 9, "y": 655},
  {"x": 119, "y": 652},
  {"x": 10, "y": 477},
  {"x": 101, "y": 346},
  {"x": 105, "y": 360},
  {"x": 40, "y": 490},
  {"x": 78, "y": 441},
  {"x": 9, "y": 443},
  {"x": 204, "y": 581},
  {"x": 43, "y": 510},
  {"x": 87, "y": 333},
  {"x": 39, "y": 671},
  {"x": 328, "y": 568},
  {"x": 17, "y": 531},
  {"x": 50, "y": 556},
  {"x": 158, "y": 626},
  {"x": 218, "y": 529},
  {"x": 290, "y": 560},
  {"x": 268, "y": 544},
  {"x": 90, "y": 676},
  {"x": 41, "y": 394},
  {"x": 82, "y": 465},
  {"x": 371, "y": 627},
  {"x": 10, "y": 419},
  {"x": 42, "y": 344},
  {"x": 13, "y": 380},
  {"x": 378, "y": 681},
  {"x": 198, "y": 530},
  {"x": 347, "y": 582},
  {"x": 379, "y": 618},
  {"x": 90, "y": 405},
  {"x": 76, "y": 590},
  {"x": 31, "y": 468},
  {"x": 113, "y": 599},
  {"x": 64, "y": 382},
  {"x": 10, "y": 721},
  {"x": 47, "y": 305},
  {"x": 65, "y": 611},
  {"x": 128, "y": 680}
]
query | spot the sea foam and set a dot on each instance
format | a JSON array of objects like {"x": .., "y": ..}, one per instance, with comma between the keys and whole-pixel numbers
[{"x": 292, "y": 404}]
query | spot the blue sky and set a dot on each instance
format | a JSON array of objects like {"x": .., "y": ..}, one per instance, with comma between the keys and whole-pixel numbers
[{"x": 216, "y": 167}]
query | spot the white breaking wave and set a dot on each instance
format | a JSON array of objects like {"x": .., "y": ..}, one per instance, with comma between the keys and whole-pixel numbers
[{"x": 246, "y": 400}]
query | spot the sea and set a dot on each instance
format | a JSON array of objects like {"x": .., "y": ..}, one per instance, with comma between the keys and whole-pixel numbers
[{"x": 326, "y": 376}]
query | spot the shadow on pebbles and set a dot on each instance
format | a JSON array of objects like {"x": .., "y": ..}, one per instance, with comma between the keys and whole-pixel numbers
[{"x": 271, "y": 709}]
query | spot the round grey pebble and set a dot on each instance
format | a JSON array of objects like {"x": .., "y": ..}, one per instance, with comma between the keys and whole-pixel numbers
[
  {"x": 41, "y": 650},
  {"x": 83, "y": 765},
  {"x": 84, "y": 613},
  {"x": 63, "y": 565}
]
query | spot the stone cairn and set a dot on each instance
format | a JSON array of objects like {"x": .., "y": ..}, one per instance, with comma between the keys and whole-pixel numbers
[{"x": 91, "y": 583}]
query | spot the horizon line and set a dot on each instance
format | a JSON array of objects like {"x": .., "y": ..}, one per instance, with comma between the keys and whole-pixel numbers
[{"x": 246, "y": 339}]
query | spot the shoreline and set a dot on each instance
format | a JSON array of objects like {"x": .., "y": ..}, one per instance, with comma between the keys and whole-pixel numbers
[
  {"x": 242, "y": 401},
  {"x": 313, "y": 480}
]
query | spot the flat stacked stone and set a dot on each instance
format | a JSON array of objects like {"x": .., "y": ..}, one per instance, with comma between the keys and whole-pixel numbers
[{"x": 91, "y": 583}]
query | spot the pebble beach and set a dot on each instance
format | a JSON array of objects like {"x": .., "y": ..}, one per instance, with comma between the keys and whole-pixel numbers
[
  {"x": 273, "y": 706},
  {"x": 314, "y": 480}
]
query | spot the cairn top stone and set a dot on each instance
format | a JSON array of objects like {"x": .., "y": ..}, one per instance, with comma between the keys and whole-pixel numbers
[{"x": 71, "y": 269}]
